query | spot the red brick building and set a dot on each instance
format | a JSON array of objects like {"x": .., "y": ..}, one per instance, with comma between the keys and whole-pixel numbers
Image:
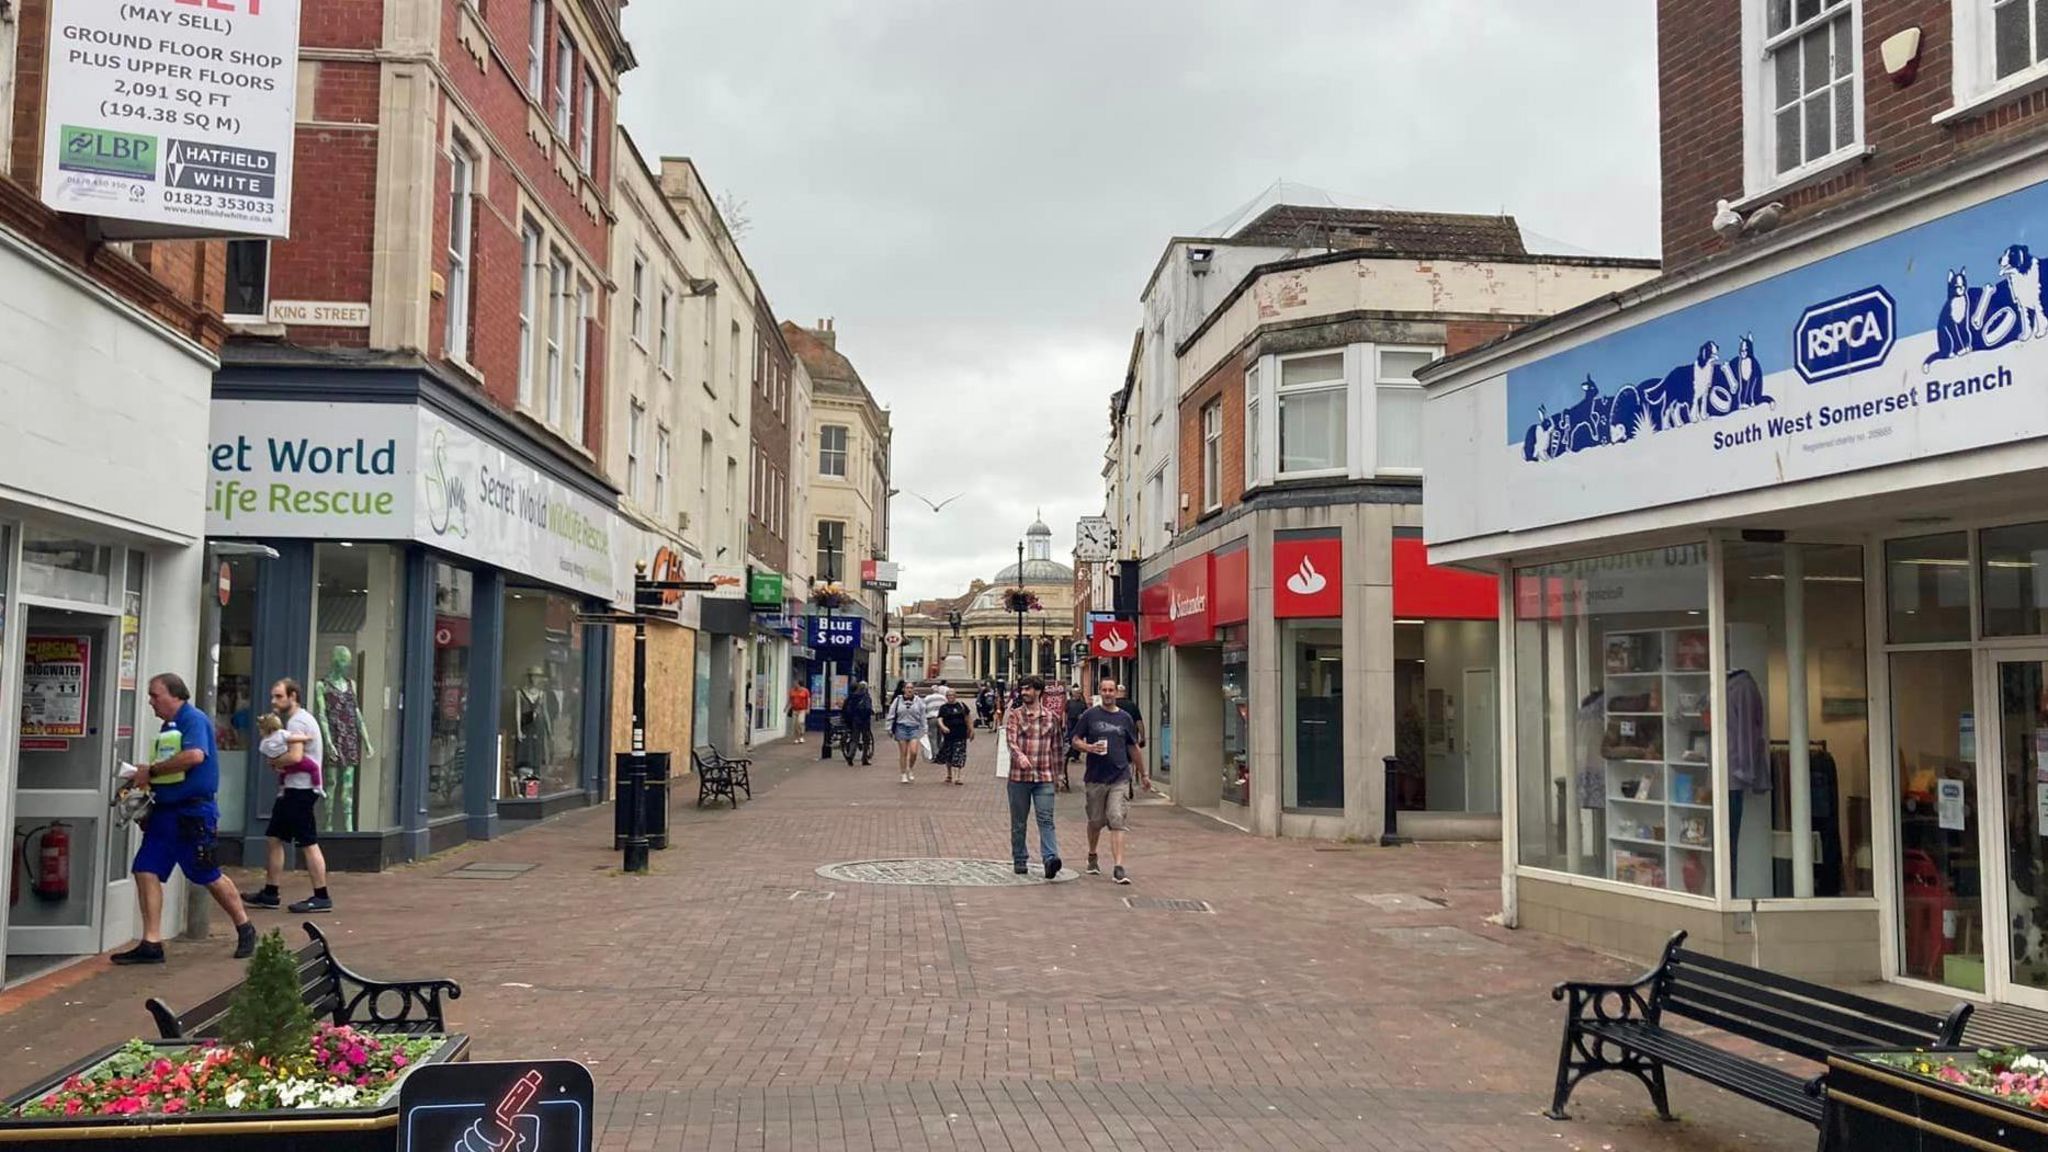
[
  {"x": 1771, "y": 522},
  {"x": 444, "y": 295}
]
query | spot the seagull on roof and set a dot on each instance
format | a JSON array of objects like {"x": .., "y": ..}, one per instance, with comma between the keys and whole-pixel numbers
[{"x": 941, "y": 504}]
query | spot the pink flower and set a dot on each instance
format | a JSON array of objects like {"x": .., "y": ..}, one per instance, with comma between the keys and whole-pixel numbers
[
  {"x": 171, "y": 1106},
  {"x": 399, "y": 1061},
  {"x": 356, "y": 1055},
  {"x": 73, "y": 1107}
]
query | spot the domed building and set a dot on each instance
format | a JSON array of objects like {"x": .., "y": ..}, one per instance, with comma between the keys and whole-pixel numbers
[{"x": 988, "y": 629}]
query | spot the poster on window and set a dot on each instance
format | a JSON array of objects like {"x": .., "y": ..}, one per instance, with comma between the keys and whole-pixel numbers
[
  {"x": 131, "y": 642},
  {"x": 53, "y": 685}
]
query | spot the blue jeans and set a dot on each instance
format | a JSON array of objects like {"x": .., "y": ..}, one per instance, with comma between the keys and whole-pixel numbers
[{"x": 1026, "y": 795}]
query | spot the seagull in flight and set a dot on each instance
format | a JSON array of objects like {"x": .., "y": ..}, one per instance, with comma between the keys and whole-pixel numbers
[{"x": 941, "y": 504}]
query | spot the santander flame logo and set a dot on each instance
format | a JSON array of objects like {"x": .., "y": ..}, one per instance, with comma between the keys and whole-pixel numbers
[
  {"x": 1306, "y": 581},
  {"x": 1114, "y": 643}
]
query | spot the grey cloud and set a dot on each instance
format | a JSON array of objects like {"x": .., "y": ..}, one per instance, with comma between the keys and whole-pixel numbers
[{"x": 977, "y": 191}]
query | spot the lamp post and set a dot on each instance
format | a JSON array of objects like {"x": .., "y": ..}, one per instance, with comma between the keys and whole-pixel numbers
[{"x": 1017, "y": 653}]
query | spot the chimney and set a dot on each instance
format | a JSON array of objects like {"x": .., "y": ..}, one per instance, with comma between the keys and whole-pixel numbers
[{"x": 825, "y": 333}]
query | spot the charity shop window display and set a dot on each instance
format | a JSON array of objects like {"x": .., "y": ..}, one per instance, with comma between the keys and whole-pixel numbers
[{"x": 358, "y": 651}]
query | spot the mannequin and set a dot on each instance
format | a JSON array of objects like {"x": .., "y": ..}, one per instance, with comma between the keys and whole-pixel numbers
[
  {"x": 337, "y": 706},
  {"x": 532, "y": 726}
]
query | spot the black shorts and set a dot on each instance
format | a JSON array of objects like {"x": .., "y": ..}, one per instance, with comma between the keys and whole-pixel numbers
[{"x": 292, "y": 818}]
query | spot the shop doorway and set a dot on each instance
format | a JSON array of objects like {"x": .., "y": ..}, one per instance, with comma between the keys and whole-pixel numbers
[
  {"x": 65, "y": 871},
  {"x": 2016, "y": 800}
]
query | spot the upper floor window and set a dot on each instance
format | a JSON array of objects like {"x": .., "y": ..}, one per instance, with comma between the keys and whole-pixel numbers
[
  {"x": 831, "y": 550},
  {"x": 1312, "y": 413},
  {"x": 461, "y": 239},
  {"x": 832, "y": 450},
  {"x": 2019, "y": 35},
  {"x": 640, "y": 299},
  {"x": 1397, "y": 407},
  {"x": 586, "y": 310},
  {"x": 248, "y": 273},
  {"x": 732, "y": 361},
  {"x": 565, "y": 78},
  {"x": 1253, "y": 433},
  {"x": 636, "y": 421},
  {"x": 1212, "y": 455},
  {"x": 661, "y": 471},
  {"x": 662, "y": 319},
  {"x": 1998, "y": 44},
  {"x": 586, "y": 122},
  {"x": 537, "y": 48},
  {"x": 560, "y": 285},
  {"x": 529, "y": 306},
  {"x": 1806, "y": 104}
]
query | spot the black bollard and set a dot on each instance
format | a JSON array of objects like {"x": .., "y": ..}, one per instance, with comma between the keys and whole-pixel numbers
[{"x": 1390, "y": 837}]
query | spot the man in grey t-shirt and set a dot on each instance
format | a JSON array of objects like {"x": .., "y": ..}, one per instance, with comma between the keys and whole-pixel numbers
[{"x": 294, "y": 815}]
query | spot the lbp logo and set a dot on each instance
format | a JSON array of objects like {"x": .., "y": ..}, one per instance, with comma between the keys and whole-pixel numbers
[
  {"x": 105, "y": 153},
  {"x": 1847, "y": 334}
]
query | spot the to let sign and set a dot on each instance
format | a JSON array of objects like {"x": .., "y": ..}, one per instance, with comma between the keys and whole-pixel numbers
[{"x": 833, "y": 633}]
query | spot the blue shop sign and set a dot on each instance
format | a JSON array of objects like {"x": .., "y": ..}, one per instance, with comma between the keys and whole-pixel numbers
[
  {"x": 1928, "y": 341},
  {"x": 836, "y": 633}
]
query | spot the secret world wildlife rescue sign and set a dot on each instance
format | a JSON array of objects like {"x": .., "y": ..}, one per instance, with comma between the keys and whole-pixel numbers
[{"x": 1928, "y": 341}]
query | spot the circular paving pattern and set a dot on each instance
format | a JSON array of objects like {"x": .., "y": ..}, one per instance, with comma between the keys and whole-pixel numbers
[{"x": 923, "y": 870}]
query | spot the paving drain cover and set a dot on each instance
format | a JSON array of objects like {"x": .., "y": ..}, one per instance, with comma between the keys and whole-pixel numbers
[
  {"x": 487, "y": 870},
  {"x": 953, "y": 873},
  {"x": 1162, "y": 904},
  {"x": 1401, "y": 902},
  {"x": 1441, "y": 940}
]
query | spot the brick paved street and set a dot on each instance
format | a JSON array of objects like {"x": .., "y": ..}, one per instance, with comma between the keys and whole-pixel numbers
[{"x": 737, "y": 1000}]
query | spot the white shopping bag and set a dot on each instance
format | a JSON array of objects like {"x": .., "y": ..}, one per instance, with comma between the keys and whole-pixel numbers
[{"x": 1002, "y": 758}]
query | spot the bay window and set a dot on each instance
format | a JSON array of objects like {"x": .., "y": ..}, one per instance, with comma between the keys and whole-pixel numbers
[
  {"x": 1397, "y": 408},
  {"x": 1312, "y": 413},
  {"x": 1353, "y": 411}
]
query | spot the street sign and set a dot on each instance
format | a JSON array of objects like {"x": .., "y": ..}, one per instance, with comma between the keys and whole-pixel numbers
[{"x": 528, "y": 1105}]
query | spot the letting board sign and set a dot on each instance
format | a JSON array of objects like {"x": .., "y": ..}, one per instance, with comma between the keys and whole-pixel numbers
[{"x": 173, "y": 117}]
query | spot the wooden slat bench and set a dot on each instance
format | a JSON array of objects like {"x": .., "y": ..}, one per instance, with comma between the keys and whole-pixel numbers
[
  {"x": 333, "y": 992},
  {"x": 1621, "y": 1028},
  {"x": 719, "y": 775}
]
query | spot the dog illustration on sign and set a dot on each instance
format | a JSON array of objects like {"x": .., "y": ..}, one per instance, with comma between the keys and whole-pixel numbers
[{"x": 1979, "y": 319}]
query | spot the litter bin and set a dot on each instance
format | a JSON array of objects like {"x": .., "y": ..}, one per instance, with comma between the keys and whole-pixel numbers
[{"x": 655, "y": 797}]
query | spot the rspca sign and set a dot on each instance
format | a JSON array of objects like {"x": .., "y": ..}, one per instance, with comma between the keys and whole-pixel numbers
[
  {"x": 1931, "y": 340},
  {"x": 1847, "y": 334}
]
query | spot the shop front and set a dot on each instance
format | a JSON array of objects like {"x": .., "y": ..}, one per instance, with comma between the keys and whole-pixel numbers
[
  {"x": 426, "y": 550},
  {"x": 769, "y": 674},
  {"x": 1776, "y": 644},
  {"x": 100, "y": 551}
]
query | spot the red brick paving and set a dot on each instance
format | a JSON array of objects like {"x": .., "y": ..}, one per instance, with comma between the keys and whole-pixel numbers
[{"x": 722, "y": 1005}]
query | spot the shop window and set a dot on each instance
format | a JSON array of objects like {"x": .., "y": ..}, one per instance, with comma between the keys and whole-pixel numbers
[
  {"x": 448, "y": 746},
  {"x": 1237, "y": 718},
  {"x": 1927, "y": 588},
  {"x": 1613, "y": 687},
  {"x": 128, "y": 676},
  {"x": 1799, "y": 804},
  {"x": 66, "y": 568},
  {"x": 1312, "y": 413},
  {"x": 1941, "y": 900},
  {"x": 543, "y": 711},
  {"x": 1313, "y": 724},
  {"x": 236, "y": 701},
  {"x": 358, "y": 666},
  {"x": 2014, "y": 579},
  {"x": 1446, "y": 719}
]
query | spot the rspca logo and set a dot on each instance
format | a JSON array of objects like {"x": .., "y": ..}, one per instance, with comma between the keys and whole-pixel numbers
[{"x": 1847, "y": 334}]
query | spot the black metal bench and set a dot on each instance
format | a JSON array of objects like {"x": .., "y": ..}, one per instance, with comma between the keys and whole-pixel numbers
[
  {"x": 719, "y": 775},
  {"x": 1621, "y": 1028},
  {"x": 331, "y": 990}
]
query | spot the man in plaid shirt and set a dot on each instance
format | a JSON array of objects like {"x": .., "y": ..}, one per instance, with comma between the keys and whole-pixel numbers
[{"x": 1036, "y": 732}]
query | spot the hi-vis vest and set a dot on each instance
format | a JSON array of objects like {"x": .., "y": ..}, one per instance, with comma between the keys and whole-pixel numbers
[{"x": 169, "y": 742}]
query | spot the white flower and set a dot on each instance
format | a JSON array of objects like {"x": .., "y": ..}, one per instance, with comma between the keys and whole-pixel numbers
[
  {"x": 2031, "y": 1065},
  {"x": 235, "y": 1096}
]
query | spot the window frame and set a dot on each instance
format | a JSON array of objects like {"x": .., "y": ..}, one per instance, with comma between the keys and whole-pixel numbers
[
  {"x": 586, "y": 122},
  {"x": 586, "y": 311},
  {"x": 555, "y": 335},
  {"x": 1344, "y": 386},
  {"x": 262, "y": 317},
  {"x": 566, "y": 56},
  {"x": 1254, "y": 433},
  {"x": 1974, "y": 78},
  {"x": 844, "y": 451},
  {"x": 831, "y": 560},
  {"x": 462, "y": 163},
  {"x": 537, "y": 51},
  {"x": 639, "y": 330},
  {"x": 1381, "y": 382},
  {"x": 531, "y": 246},
  {"x": 1211, "y": 416},
  {"x": 663, "y": 335},
  {"x": 732, "y": 359},
  {"x": 661, "y": 462},
  {"x": 1760, "y": 110},
  {"x": 636, "y": 427}
]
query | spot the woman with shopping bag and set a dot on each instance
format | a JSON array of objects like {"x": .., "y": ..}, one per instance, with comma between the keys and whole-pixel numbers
[{"x": 905, "y": 721}]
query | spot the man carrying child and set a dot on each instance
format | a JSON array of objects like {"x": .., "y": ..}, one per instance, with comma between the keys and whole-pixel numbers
[{"x": 292, "y": 746}]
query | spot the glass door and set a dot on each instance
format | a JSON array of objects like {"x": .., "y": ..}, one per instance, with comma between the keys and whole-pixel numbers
[
  {"x": 2020, "y": 841},
  {"x": 66, "y": 759}
]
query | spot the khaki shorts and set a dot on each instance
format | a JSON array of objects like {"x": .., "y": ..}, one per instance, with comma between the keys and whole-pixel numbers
[{"x": 1107, "y": 804}]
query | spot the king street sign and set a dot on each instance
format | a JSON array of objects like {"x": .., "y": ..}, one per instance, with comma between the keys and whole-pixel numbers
[{"x": 1847, "y": 334}]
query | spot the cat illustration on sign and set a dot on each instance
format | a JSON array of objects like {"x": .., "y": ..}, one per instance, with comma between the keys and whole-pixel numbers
[
  {"x": 1980, "y": 319},
  {"x": 1706, "y": 388}
]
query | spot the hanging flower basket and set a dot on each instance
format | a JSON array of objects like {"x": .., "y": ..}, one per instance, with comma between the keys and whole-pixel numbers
[
  {"x": 830, "y": 595},
  {"x": 1019, "y": 600}
]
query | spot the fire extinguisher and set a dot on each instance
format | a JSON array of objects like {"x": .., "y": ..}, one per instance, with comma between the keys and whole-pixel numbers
[{"x": 52, "y": 862}]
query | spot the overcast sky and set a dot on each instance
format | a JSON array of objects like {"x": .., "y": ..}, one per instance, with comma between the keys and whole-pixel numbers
[{"x": 976, "y": 190}]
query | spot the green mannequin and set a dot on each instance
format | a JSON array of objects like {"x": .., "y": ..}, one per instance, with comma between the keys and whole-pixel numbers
[{"x": 337, "y": 705}]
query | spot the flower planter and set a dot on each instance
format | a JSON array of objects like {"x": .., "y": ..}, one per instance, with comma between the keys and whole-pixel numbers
[
  {"x": 1873, "y": 1105},
  {"x": 363, "y": 1128}
]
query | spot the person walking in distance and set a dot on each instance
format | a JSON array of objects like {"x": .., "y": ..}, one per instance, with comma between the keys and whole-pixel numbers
[
  {"x": 1033, "y": 729},
  {"x": 799, "y": 707},
  {"x": 179, "y": 831},
  {"x": 955, "y": 730},
  {"x": 1071, "y": 706},
  {"x": 905, "y": 721},
  {"x": 294, "y": 754},
  {"x": 1107, "y": 734},
  {"x": 859, "y": 711}
]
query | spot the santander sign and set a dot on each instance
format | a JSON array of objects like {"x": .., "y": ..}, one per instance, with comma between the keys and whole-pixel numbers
[
  {"x": 1313, "y": 587},
  {"x": 1113, "y": 638}
]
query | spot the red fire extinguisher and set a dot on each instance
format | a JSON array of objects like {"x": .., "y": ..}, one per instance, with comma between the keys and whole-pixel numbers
[{"x": 52, "y": 862}]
